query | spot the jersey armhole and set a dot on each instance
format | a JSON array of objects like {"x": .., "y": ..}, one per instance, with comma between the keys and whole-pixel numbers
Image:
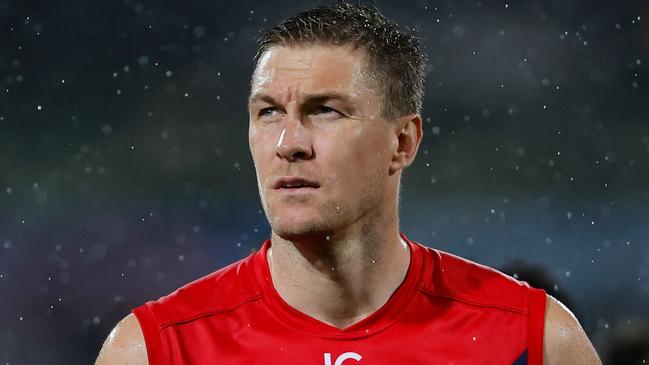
[
  {"x": 151, "y": 333},
  {"x": 535, "y": 326}
]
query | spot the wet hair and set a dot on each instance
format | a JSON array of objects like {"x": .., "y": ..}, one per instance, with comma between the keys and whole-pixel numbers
[{"x": 394, "y": 57}]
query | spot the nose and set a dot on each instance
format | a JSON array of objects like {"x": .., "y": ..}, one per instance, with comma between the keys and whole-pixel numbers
[{"x": 294, "y": 142}]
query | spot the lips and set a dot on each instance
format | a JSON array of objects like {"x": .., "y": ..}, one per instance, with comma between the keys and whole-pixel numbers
[{"x": 294, "y": 182}]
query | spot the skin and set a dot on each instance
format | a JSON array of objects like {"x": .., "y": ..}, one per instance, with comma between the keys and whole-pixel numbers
[
  {"x": 124, "y": 345},
  {"x": 313, "y": 115}
]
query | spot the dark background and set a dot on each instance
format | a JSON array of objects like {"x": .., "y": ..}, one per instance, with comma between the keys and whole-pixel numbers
[{"x": 125, "y": 170}]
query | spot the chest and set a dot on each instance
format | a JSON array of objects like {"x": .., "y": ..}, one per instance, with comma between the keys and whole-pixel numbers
[{"x": 447, "y": 333}]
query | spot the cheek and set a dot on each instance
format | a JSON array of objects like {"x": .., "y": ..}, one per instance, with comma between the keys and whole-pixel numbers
[
  {"x": 262, "y": 146},
  {"x": 357, "y": 155},
  {"x": 371, "y": 147}
]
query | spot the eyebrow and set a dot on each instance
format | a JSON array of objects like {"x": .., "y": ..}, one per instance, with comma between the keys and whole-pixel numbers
[{"x": 309, "y": 98}]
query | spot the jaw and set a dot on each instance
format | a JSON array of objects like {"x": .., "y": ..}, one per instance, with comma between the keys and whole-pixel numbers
[
  {"x": 303, "y": 215},
  {"x": 296, "y": 217}
]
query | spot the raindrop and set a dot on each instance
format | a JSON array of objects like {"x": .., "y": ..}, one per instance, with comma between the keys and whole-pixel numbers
[{"x": 199, "y": 31}]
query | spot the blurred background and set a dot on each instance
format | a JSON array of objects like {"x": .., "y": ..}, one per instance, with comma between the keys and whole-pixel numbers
[{"x": 125, "y": 170}]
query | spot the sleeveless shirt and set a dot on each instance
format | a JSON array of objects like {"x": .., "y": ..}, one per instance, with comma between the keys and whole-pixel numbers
[{"x": 447, "y": 310}]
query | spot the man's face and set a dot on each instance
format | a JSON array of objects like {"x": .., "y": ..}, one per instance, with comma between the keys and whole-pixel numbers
[{"x": 320, "y": 146}]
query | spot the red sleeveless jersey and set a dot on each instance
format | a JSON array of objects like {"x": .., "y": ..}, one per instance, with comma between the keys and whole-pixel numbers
[{"x": 448, "y": 310}]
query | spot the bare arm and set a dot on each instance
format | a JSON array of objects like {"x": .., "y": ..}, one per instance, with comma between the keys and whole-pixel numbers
[
  {"x": 124, "y": 345},
  {"x": 564, "y": 341}
]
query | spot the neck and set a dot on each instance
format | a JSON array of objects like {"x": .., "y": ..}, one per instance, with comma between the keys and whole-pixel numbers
[{"x": 339, "y": 279}]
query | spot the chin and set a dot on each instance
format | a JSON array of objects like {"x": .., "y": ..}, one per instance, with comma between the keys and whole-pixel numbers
[
  {"x": 292, "y": 228},
  {"x": 293, "y": 222}
]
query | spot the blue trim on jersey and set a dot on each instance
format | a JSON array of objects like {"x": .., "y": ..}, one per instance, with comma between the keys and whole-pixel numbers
[{"x": 522, "y": 360}]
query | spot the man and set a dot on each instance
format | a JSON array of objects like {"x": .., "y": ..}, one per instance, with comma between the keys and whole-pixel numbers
[{"x": 334, "y": 120}]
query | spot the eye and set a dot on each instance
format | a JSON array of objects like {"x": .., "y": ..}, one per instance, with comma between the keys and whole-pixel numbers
[
  {"x": 322, "y": 109},
  {"x": 326, "y": 111},
  {"x": 268, "y": 112}
]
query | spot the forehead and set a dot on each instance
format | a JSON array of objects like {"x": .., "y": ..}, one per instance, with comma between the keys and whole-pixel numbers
[{"x": 308, "y": 69}]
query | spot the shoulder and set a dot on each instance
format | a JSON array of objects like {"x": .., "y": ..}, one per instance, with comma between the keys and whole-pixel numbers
[
  {"x": 461, "y": 279},
  {"x": 124, "y": 345},
  {"x": 218, "y": 291},
  {"x": 564, "y": 340}
]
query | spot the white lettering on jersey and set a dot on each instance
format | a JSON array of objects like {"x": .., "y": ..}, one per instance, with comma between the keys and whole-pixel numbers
[{"x": 340, "y": 359}]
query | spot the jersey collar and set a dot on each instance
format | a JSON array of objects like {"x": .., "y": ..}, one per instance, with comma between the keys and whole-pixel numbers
[{"x": 297, "y": 321}]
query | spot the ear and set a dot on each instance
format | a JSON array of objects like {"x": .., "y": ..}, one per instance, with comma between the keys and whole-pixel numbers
[{"x": 408, "y": 134}]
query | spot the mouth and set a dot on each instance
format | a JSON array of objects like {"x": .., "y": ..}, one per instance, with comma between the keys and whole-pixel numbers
[{"x": 295, "y": 184}]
